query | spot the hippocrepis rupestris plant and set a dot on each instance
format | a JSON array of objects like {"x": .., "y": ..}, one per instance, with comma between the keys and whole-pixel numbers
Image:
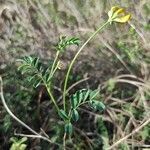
[{"x": 38, "y": 73}]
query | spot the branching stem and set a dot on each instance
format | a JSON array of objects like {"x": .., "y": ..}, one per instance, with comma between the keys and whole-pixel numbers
[{"x": 75, "y": 57}]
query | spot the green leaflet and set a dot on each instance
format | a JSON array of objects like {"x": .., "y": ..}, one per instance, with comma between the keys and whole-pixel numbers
[
  {"x": 82, "y": 96},
  {"x": 97, "y": 105},
  {"x": 63, "y": 115},
  {"x": 68, "y": 128},
  {"x": 79, "y": 97},
  {"x": 35, "y": 70},
  {"x": 64, "y": 42},
  {"x": 75, "y": 115}
]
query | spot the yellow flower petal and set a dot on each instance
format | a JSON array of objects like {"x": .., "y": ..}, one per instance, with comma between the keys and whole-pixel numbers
[
  {"x": 123, "y": 19},
  {"x": 114, "y": 8},
  {"x": 111, "y": 12},
  {"x": 119, "y": 11},
  {"x": 118, "y": 14}
]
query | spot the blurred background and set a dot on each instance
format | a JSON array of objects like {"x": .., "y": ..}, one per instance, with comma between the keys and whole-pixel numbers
[{"x": 117, "y": 60}]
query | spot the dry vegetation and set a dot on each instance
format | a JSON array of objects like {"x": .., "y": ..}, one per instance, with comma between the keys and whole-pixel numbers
[{"x": 117, "y": 61}]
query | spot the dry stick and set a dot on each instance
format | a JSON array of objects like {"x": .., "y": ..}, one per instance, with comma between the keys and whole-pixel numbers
[
  {"x": 36, "y": 135},
  {"x": 129, "y": 76},
  {"x": 127, "y": 136}
]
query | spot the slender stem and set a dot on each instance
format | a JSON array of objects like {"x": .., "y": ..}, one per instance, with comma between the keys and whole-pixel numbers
[
  {"x": 55, "y": 60},
  {"x": 50, "y": 94},
  {"x": 75, "y": 57},
  {"x": 52, "y": 98},
  {"x": 54, "y": 70}
]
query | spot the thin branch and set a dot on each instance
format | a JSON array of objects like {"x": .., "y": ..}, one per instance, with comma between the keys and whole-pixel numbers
[
  {"x": 44, "y": 133},
  {"x": 27, "y": 135}
]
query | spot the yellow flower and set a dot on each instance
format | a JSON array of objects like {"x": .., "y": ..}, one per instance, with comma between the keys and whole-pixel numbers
[{"x": 117, "y": 14}]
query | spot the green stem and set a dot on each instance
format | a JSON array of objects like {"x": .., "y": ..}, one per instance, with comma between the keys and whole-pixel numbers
[
  {"x": 52, "y": 98},
  {"x": 50, "y": 94},
  {"x": 56, "y": 57},
  {"x": 75, "y": 57},
  {"x": 54, "y": 70}
]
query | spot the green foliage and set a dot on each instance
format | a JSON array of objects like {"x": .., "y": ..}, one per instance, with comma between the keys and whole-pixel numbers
[
  {"x": 75, "y": 115},
  {"x": 111, "y": 85},
  {"x": 87, "y": 96},
  {"x": 79, "y": 98},
  {"x": 18, "y": 144},
  {"x": 68, "y": 128},
  {"x": 132, "y": 54},
  {"x": 124, "y": 146},
  {"x": 63, "y": 115},
  {"x": 82, "y": 97},
  {"x": 35, "y": 70},
  {"x": 102, "y": 130},
  {"x": 64, "y": 42},
  {"x": 7, "y": 123},
  {"x": 145, "y": 133},
  {"x": 96, "y": 105}
]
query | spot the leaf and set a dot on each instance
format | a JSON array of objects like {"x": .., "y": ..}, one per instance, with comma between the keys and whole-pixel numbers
[
  {"x": 94, "y": 94},
  {"x": 86, "y": 95},
  {"x": 48, "y": 77},
  {"x": 68, "y": 128},
  {"x": 79, "y": 97},
  {"x": 37, "y": 82},
  {"x": 74, "y": 101},
  {"x": 64, "y": 42},
  {"x": 23, "y": 146},
  {"x": 63, "y": 115},
  {"x": 36, "y": 72},
  {"x": 13, "y": 139},
  {"x": 75, "y": 115},
  {"x": 97, "y": 105},
  {"x": 24, "y": 139}
]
